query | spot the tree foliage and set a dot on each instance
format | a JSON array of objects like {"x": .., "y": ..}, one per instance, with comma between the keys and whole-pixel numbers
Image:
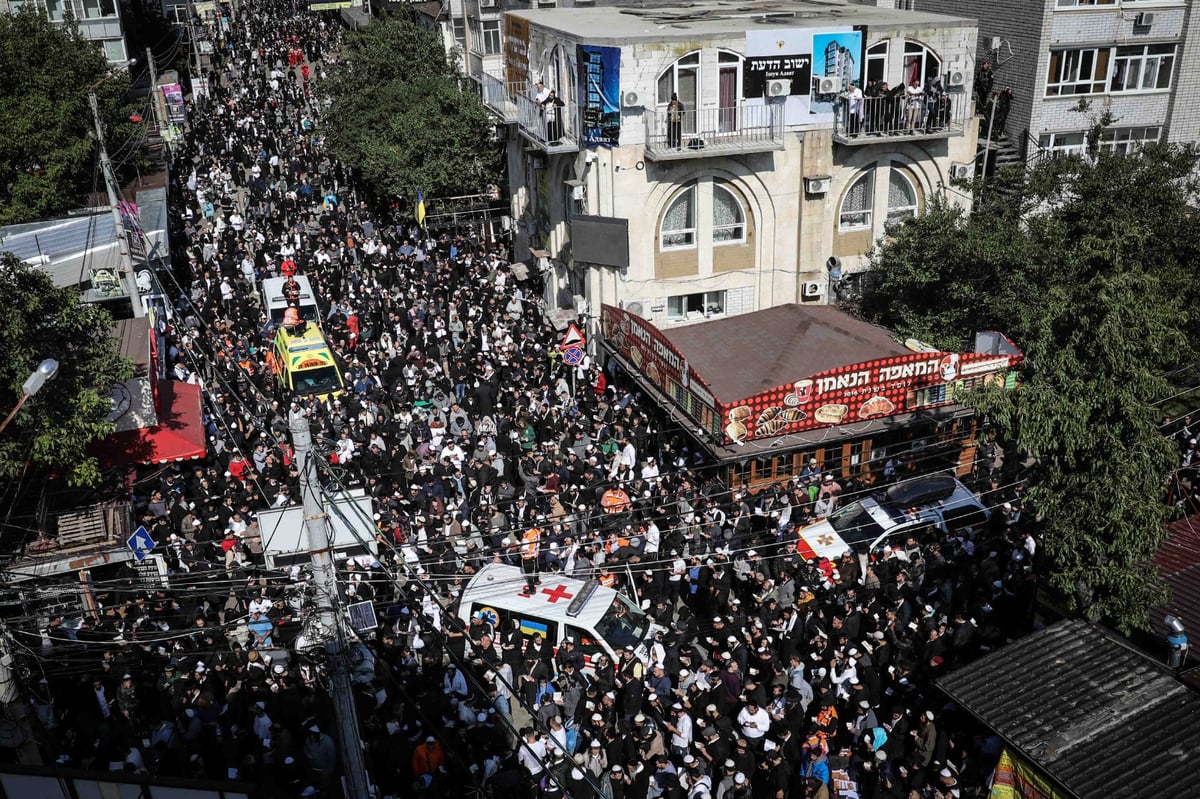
[
  {"x": 55, "y": 427},
  {"x": 405, "y": 117},
  {"x": 1088, "y": 269},
  {"x": 47, "y": 146}
]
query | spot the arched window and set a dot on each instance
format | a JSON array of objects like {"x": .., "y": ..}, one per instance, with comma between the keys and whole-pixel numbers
[
  {"x": 920, "y": 63},
  {"x": 679, "y": 222},
  {"x": 877, "y": 58},
  {"x": 902, "y": 195},
  {"x": 858, "y": 203},
  {"x": 682, "y": 78},
  {"x": 729, "y": 218}
]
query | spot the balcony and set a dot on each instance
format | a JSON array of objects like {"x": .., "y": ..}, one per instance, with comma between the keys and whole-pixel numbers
[
  {"x": 890, "y": 118},
  {"x": 737, "y": 130},
  {"x": 499, "y": 98},
  {"x": 551, "y": 129}
]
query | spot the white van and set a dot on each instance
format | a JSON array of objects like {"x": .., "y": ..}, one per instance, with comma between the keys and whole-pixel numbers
[
  {"x": 597, "y": 618},
  {"x": 888, "y": 517},
  {"x": 275, "y": 303}
]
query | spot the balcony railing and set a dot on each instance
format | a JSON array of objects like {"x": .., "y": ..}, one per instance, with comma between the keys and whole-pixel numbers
[
  {"x": 898, "y": 117},
  {"x": 499, "y": 97},
  {"x": 713, "y": 131},
  {"x": 552, "y": 128}
]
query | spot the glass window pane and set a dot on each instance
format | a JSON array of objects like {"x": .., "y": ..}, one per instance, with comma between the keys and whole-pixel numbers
[
  {"x": 680, "y": 215},
  {"x": 726, "y": 209},
  {"x": 666, "y": 85},
  {"x": 900, "y": 191},
  {"x": 858, "y": 198}
]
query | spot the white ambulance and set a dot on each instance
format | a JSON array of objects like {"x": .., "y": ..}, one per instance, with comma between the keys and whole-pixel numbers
[
  {"x": 597, "y": 618},
  {"x": 275, "y": 303}
]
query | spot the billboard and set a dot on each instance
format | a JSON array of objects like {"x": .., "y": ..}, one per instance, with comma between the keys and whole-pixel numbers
[
  {"x": 838, "y": 62},
  {"x": 777, "y": 55},
  {"x": 818, "y": 65},
  {"x": 516, "y": 53},
  {"x": 600, "y": 94},
  {"x": 864, "y": 391}
]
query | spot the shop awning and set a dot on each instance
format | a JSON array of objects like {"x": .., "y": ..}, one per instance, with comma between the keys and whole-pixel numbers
[{"x": 178, "y": 436}]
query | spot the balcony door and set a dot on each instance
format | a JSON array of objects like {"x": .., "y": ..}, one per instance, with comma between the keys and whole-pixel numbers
[
  {"x": 683, "y": 79},
  {"x": 729, "y": 89}
]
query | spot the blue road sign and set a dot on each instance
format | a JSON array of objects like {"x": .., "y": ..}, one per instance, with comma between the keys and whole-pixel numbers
[
  {"x": 573, "y": 355},
  {"x": 141, "y": 543}
]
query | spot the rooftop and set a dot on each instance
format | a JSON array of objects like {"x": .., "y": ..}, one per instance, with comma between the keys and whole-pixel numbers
[
  {"x": 1071, "y": 695},
  {"x": 743, "y": 355},
  {"x": 719, "y": 18}
]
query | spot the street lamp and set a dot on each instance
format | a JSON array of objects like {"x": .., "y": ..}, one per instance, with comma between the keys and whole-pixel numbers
[{"x": 46, "y": 370}]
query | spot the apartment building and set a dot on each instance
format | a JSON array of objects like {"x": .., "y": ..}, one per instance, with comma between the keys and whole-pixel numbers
[
  {"x": 1124, "y": 57},
  {"x": 99, "y": 21},
  {"x": 767, "y": 180}
]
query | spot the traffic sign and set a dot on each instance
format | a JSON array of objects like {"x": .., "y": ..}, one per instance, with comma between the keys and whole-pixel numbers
[
  {"x": 141, "y": 543},
  {"x": 572, "y": 338},
  {"x": 573, "y": 356}
]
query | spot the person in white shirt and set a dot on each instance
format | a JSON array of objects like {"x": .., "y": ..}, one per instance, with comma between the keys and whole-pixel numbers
[
  {"x": 532, "y": 751},
  {"x": 754, "y": 721},
  {"x": 681, "y": 730}
]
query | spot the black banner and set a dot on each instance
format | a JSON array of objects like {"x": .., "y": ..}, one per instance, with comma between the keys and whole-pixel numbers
[{"x": 757, "y": 70}]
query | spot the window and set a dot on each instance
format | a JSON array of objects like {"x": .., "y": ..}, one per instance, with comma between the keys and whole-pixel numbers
[
  {"x": 902, "y": 195},
  {"x": 491, "y": 36},
  {"x": 1123, "y": 141},
  {"x": 114, "y": 51},
  {"x": 476, "y": 44},
  {"x": 877, "y": 57},
  {"x": 1063, "y": 144},
  {"x": 695, "y": 306},
  {"x": 729, "y": 220},
  {"x": 857, "y": 204},
  {"x": 1077, "y": 72},
  {"x": 920, "y": 63},
  {"x": 682, "y": 78},
  {"x": 1085, "y": 3},
  {"x": 679, "y": 222},
  {"x": 1143, "y": 68},
  {"x": 460, "y": 32}
]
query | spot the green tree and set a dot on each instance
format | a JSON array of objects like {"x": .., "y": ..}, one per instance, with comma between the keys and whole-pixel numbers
[
  {"x": 47, "y": 147},
  {"x": 1088, "y": 269},
  {"x": 405, "y": 117},
  {"x": 53, "y": 430}
]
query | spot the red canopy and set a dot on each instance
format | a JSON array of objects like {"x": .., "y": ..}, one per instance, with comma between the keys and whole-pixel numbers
[{"x": 179, "y": 434}]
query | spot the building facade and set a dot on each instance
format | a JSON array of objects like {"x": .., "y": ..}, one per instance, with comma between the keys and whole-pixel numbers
[
  {"x": 1125, "y": 57},
  {"x": 99, "y": 21},
  {"x": 766, "y": 181}
]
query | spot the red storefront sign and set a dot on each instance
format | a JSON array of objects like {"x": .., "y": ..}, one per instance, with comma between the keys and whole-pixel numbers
[
  {"x": 652, "y": 354},
  {"x": 865, "y": 391}
]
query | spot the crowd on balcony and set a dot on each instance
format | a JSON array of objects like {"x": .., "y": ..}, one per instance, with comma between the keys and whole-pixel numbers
[
  {"x": 774, "y": 676},
  {"x": 883, "y": 110}
]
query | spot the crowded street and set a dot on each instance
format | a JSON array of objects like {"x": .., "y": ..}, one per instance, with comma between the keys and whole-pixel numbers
[{"x": 763, "y": 673}]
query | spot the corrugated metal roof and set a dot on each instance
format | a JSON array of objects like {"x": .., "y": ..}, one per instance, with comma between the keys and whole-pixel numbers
[
  {"x": 1071, "y": 697},
  {"x": 1178, "y": 561}
]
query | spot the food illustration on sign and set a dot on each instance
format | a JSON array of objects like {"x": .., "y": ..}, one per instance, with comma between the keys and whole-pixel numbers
[
  {"x": 770, "y": 422},
  {"x": 636, "y": 356},
  {"x": 832, "y": 413},
  {"x": 876, "y": 406},
  {"x": 653, "y": 374},
  {"x": 736, "y": 429},
  {"x": 793, "y": 415}
]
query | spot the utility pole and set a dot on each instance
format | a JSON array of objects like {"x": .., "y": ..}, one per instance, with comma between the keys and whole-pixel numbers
[
  {"x": 319, "y": 549},
  {"x": 155, "y": 94},
  {"x": 110, "y": 185}
]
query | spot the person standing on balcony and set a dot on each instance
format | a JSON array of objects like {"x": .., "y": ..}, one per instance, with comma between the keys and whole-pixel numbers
[
  {"x": 914, "y": 105},
  {"x": 554, "y": 127},
  {"x": 675, "y": 111},
  {"x": 855, "y": 109}
]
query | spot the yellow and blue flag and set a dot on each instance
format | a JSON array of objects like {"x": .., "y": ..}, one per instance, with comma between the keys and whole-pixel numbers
[
  {"x": 529, "y": 627},
  {"x": 421, "y": 209}
]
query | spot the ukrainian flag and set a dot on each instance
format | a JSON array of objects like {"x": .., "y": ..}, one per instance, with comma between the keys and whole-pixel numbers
[
  {"x": 421, "y": 209},
  {"x": 530, "y": 627}
]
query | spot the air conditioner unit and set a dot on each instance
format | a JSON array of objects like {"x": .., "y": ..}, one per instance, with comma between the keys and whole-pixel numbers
[
  {"x": 811, "y": 290},
  {"x": 779, "y": 88},
  {"x": 581, "y": 304},
  {"x": 818, "y": 184},
  {"x": 578, "y": 192},
  {"x": 962, "y": 171},
  {"x": 1144, "y": 19},
  {"x": 956, "y": 77},
  {"x": 994, "y": 43},
  {"x": 632, "y": 100},
  {"x": 634, "y": 308},
  {"x": 487, "y": 3},
  {"x": 828, "y": 85}
]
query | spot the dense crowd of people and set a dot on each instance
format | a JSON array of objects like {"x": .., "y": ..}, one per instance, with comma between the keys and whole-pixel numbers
[{"x": 773, "y": 677}]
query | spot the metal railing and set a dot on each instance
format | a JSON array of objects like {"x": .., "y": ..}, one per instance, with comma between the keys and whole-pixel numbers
[
  {"x": 735, "y": 128},
  {"x": 900, "y": 116},
  {"x": 498, "y": 96},
  {"x": 548, "y": 124}
]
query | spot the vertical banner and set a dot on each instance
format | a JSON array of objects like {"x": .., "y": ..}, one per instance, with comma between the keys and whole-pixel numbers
[
  {"x": 1015, "y": 779},
  {"x": 837, "y": 62},
  {"x": 516, "y": 53},
  {"x": 600, "y": 94},
  {"x": 173, "y": 96}
]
